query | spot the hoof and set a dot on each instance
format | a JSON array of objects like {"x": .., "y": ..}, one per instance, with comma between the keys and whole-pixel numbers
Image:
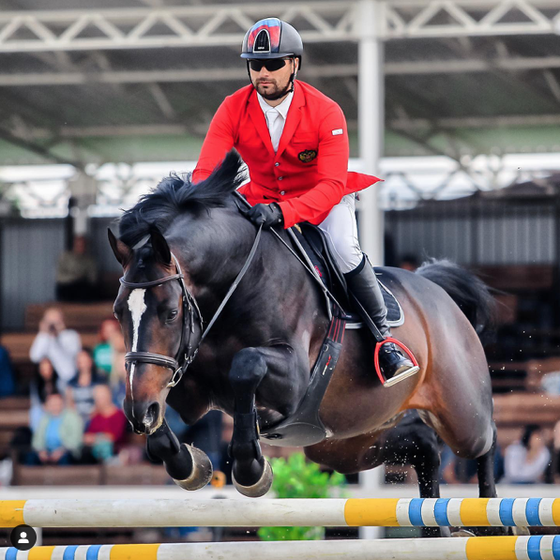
[
  {"x": 261, "y": 487},
  {"x": 202, "y": 470},
  {"x": 462, "y": 533}
]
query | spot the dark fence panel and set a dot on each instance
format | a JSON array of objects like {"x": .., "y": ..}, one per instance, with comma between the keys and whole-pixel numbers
[{"x": 488, "y": 232}]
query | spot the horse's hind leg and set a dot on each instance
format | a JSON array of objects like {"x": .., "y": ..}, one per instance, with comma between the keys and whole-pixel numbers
[
  {"x": 251, "y": 472},
  {"x": 485, "y": 466},
  {"x": 426, "y": 462},
  {"x": 413, "y": 442}
]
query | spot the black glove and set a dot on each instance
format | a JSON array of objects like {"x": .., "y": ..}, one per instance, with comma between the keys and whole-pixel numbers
[{"x": 268, "y": 215}]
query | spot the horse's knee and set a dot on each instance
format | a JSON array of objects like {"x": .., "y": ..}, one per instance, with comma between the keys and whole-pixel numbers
[{"x": 248, "y": 367}]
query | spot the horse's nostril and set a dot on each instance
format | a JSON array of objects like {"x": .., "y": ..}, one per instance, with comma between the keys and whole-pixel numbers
[{"x": 151, "y": 415}]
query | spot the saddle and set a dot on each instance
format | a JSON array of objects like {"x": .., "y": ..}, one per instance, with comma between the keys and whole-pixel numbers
[
  {"x": 304, "y": 427},
  {"x": 313, "y": 244}
]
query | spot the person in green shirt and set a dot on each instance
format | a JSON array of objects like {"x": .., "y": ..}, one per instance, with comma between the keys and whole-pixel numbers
[
  {"x": 59, "y": 435},
  {"x": 103, "y": 352}
]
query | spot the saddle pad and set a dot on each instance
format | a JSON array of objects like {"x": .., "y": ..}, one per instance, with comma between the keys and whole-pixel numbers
[{"x": 313, "y": 242}]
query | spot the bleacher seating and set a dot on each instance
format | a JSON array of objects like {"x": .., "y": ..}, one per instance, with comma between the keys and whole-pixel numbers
[
  {"x": 512, "y": 410},
  {"x": 90, "y": 475},
  {"x": 14, "y": 413},
  {"x": 83, "y": 317}
]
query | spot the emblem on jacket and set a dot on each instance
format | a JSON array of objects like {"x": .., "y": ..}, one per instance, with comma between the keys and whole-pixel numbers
[{"x": 307, "y": 155}]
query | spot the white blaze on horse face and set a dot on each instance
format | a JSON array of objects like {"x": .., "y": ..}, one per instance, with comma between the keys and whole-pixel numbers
[{"x": 137, "y": 307}]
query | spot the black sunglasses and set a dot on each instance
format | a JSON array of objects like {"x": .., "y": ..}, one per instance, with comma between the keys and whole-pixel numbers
[{"x": 273, "y": 64}]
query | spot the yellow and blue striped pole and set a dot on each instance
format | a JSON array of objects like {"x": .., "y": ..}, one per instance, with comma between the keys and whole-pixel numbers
[
  {"x": 405, "y": 512},
  {"x": 472, "y": 548}
]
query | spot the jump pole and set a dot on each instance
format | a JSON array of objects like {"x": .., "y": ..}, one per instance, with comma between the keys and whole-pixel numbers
[
  {"x": 377, "y": 512},
  {"x": 471, "y": 548}
]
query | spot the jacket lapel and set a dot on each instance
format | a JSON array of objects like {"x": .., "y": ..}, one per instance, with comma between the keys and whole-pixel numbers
[
  {"x": 259, "y": 120},
  {"x": 292, "y": 121}
]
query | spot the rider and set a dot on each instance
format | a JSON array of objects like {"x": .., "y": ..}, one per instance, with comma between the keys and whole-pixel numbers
[{"x": 295, "y": 144}]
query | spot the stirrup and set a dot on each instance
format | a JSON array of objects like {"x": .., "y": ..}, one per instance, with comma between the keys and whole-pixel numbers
[{"x": 400, "y": 376}]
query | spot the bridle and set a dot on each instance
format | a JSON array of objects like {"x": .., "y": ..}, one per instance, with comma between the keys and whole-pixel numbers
[{"x": 191, "y": 312}]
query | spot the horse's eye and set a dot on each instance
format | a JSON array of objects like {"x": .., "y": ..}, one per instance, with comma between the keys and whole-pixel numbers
[{"x": 172, "y": 315}]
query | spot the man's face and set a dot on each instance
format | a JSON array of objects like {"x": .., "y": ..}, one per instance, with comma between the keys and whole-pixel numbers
[{"x": 272, "y": 83}]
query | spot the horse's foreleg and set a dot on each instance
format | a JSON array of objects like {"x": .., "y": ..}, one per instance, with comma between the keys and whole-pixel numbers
[
  {"x": 188, "y": 466},
  {"x": 251, "y": 473}
]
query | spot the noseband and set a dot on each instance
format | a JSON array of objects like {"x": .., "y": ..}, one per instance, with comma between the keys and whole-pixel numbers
[{"x": 190, "y": 312}]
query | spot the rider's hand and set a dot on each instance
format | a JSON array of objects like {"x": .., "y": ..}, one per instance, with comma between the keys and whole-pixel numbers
[{"x": 268, "y": 215}]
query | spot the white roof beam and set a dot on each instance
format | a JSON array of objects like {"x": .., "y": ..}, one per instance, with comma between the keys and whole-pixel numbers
[
  {"x": 477, "y": 122},
  {"x": 402, "y": 123},
  {"x": 552, "y": 83},
  {"x": 162, "y": 101},
  {"x": 453, "y": 18},
  {"x": 133, "y": 28},
  {"x": 457, "y": 66}
]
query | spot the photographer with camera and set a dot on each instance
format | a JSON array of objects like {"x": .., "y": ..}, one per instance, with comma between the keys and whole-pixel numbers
[{"x": 57, "y": 343}]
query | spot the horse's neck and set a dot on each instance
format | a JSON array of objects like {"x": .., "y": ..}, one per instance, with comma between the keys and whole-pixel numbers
[{"x": 275, "y": 278}]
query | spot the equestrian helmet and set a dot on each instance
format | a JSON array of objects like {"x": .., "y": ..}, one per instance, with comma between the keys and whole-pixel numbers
[{"x": 272, "y": 38}]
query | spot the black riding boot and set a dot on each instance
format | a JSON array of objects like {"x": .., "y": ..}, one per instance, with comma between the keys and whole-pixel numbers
[{"x": 363, "y": 285}]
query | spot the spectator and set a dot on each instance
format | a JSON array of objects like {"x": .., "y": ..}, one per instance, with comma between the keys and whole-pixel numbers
[
  {"x": 44, "y": 383},
  {"x": 555, "y": 463},
  {"x": 7, "y": 383},
  {"x": 457, "y": 470},
  {"x": 107, "y": 428},
  {"x": 76, "y": 275},
  {"x": 46, "y": 380},
  {"x": 57, "y": 343},
  {"x": 58, "y": 436},
  {"x": 79, "y": 393},
  {"x": 526, "y": 461},
  {"x": 103, "y": 352}
]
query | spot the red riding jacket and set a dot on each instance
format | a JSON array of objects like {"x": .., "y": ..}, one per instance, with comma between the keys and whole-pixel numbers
[{"x": 308, "y": 175}]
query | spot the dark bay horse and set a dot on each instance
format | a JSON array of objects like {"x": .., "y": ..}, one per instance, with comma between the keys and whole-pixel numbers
[{"x": 182, "y": 247}]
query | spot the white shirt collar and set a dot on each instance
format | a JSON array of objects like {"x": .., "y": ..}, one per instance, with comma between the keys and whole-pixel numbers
[{"x": 282, "y": 108}]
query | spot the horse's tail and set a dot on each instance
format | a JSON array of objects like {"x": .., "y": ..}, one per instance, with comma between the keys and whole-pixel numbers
[{"x": 468, "y": 291}]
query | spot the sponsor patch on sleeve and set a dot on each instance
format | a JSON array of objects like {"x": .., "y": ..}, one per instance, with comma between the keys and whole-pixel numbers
[{"x": 337, "y": 131}]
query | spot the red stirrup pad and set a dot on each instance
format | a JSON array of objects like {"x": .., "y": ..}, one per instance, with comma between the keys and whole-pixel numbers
[{"x": 396, "y": 343}]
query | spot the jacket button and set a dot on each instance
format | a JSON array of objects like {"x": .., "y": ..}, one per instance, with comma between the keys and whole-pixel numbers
[
  {"x": 280, "y": 178},
  {"x": 276, "y": 164},
  {"x": 282, "y": 193}
]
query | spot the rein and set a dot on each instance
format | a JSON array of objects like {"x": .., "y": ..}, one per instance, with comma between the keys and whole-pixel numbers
[
  {"x": 190, "y": 309},
  {"x": 324, "y": 289}
]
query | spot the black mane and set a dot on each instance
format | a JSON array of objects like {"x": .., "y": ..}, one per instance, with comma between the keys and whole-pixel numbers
[{"x": 175, "y": 194}]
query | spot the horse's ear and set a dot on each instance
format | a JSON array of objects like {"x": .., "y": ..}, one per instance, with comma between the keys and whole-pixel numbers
[
  {"x": 121, "y": 251},
  {"x": 161, "y": 249}
]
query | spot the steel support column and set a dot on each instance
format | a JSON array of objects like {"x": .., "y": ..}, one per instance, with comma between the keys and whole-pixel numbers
[
  {"x": 370, "y": 122},
  {"x": 370, "y": 134}
]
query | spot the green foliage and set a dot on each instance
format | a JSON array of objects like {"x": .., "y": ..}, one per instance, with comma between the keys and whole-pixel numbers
[{"x": 298, "y": 478}]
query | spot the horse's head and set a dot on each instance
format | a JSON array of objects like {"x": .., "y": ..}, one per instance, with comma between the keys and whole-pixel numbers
[{"x": 159, "y": 320}]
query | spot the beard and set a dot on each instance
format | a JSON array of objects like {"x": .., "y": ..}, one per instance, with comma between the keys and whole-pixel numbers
[{"x": 272, "y": 91}]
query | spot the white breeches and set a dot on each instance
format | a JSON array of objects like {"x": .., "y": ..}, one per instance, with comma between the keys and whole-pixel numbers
[{"x": 342, "y": 232}]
